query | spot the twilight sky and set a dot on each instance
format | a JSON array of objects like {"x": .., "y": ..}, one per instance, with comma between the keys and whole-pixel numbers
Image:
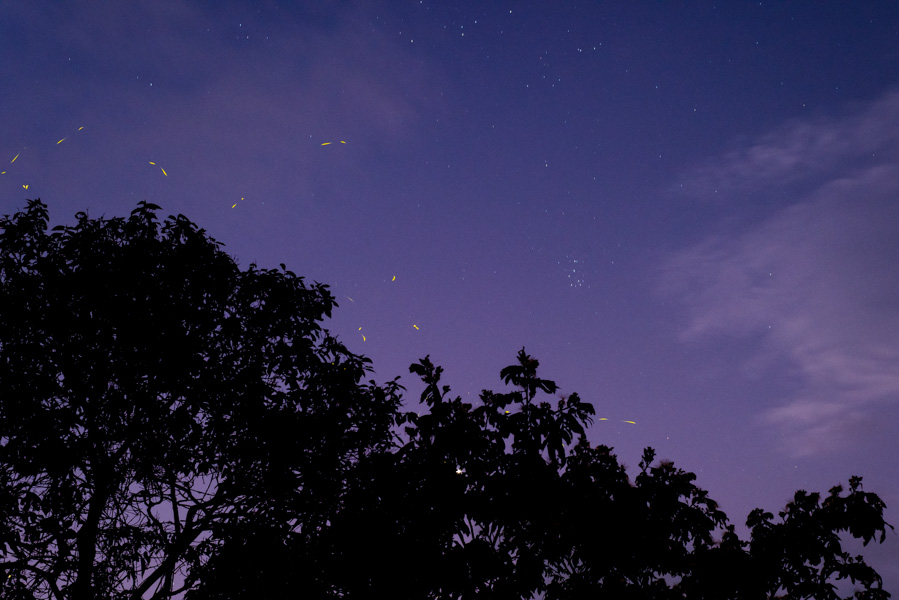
[{"x": 688, "y": 212}]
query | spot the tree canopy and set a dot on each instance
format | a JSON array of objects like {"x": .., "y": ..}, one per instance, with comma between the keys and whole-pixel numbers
[
  {"x": 154, "y": 396},
  {"x": 171, "y": 425}
]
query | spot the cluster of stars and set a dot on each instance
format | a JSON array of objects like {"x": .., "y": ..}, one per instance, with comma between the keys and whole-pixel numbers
[{"x": 574, "y": 271}]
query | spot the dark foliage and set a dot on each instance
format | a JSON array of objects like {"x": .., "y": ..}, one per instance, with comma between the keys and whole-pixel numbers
[
  {"x": 454, "y": 514},
  {"x": 155, "y": 398},
  {"x": 164, "y": 413}
]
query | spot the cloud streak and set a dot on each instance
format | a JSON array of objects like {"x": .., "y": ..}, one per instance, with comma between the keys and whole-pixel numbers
[
  {"x": 813, "y": 285},
  {"x": 808, "y": 151}
]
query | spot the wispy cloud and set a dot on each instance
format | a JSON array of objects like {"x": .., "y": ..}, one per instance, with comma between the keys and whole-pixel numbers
[
  {"x": 816, "y": 280},
  {"x": 235, "y": 101},
  {"x": 816, "y": 149}
]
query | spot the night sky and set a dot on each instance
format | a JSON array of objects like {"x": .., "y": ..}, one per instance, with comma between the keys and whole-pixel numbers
[{"x": 687, "y": 212}]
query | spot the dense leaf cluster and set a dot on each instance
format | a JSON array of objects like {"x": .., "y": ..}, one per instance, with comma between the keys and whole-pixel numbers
[
  {"x": 171, "y": 425},
  {"x": 155, "y": 396}
]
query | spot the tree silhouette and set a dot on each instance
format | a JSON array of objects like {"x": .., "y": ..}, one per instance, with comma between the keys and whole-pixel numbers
[
  {"x": 156, "y": 399},
  {"x": 167, "y": 417},
  {"x": 454, "y": 514}
]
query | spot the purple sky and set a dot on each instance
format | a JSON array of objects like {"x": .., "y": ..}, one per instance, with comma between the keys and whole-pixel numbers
[{"x": 689, "y": 215}]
